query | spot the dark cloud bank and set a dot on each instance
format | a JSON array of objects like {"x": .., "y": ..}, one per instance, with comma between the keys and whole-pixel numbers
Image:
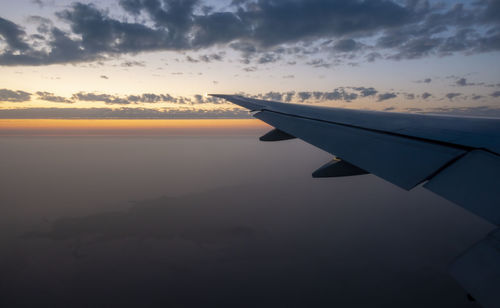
[{"x": 269, "y": 28}]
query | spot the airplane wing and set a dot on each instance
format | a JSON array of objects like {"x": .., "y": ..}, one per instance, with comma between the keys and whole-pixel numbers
[{"x": 457, "y": 158}]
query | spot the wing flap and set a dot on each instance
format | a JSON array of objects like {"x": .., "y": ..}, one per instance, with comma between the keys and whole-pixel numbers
[
  {"x": 402, "y": 161},
  {"x": 472, "y": 182}
]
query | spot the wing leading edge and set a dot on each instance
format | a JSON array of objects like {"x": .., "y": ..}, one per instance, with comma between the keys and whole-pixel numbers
[{"x": 457, "y": 158}]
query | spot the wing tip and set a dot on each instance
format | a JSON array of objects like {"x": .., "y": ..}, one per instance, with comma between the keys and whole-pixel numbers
[{"x": 239, "y": 100}]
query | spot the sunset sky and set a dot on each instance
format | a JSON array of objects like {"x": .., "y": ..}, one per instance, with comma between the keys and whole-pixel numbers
[
  {"x": 158, "y": 58},
  {"x": 125, "y": 184}
]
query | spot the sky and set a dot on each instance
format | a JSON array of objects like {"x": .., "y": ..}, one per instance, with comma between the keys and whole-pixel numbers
[
  {"x": 124, "y": 184},
  {"x": 159, "y": 58}
]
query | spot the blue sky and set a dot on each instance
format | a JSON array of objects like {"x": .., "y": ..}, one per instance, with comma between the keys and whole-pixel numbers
[{"x": 164, "y": 55}]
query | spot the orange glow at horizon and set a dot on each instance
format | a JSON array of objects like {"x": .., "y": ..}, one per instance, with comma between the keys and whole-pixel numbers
[{"x": 130, "y": 127}]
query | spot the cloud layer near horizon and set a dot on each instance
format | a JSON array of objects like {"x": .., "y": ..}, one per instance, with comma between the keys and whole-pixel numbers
[
  {"x": 344, "y": 94},
  {"x": 261, "y": 30}
]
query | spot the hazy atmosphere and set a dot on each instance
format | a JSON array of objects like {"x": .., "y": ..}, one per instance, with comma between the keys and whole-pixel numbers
[{"x": 216, "y": 221}]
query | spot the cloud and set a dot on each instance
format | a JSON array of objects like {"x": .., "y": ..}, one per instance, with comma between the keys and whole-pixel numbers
[
  {"x": 335, "y": 95},
  {"x": 106, "y": 98},
  {"x": 273, "y": 96},
  {"x": 386, "y": 96},
  {"x": 451, "y": 96},
  {"x": 319, "y": 63},
  {"x": 14, "y": 96},
  {"x": 250, "y": 69},
  {"x": 410, "y": 96},
  {"x": 373, "y": 56},
  {"x": 401, "y": 31},
  {"x": 132, "y": 63},
  {"x": 212, "y": 57},
  {"x": 346, "y": 45},
  {"x": 366, "y": 91},
  {"x": 50, "y": 97},
  {"x": 495, "y": 94},
  {"x": 425, "y": 80},
  {"x": 145, "y": 98},
  {"x": 268, "y": 58},
  {"x": 426, "y": 95},
  {"x": 13, "y": 35},
  {"x": 288, "y": 96},
  {"x": 303, "y": 96},
  {"x": 462, "y": 82},
  {"x": 417, "y": 48}
]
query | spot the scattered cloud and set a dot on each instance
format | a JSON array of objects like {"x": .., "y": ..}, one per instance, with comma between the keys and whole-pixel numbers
[
  {"x": 250, "y": 69},
  {"x": 145, "y": 98},
  {"x": 106, "y": 98},
  {"x": 133, "y": 63},
  {"x": 207, "y": 58},
  {"x": 274, "y": 96},
  {"x": 409, "y": 96},
  {"x": 366, "y": 91},
  {"x": 462, "y": 82},
  {"x": 425, "y": 80},
  {"x": 303, "y": 96},
  {"x": 495, "y": 94},
  {"x": 319, "y": 63},
  {"x": 426, "y": 95},
  {"x": 452, "y": 96},
  {"x": 50, "y": 97},
  {"x": 268, "y": 58},
  {"x": 14, "y": 96},
  {"x": 386, "y": 96}
]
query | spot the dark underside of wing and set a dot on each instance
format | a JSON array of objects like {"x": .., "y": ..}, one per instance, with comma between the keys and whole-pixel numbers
[{"x": 457, "y": 158}]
